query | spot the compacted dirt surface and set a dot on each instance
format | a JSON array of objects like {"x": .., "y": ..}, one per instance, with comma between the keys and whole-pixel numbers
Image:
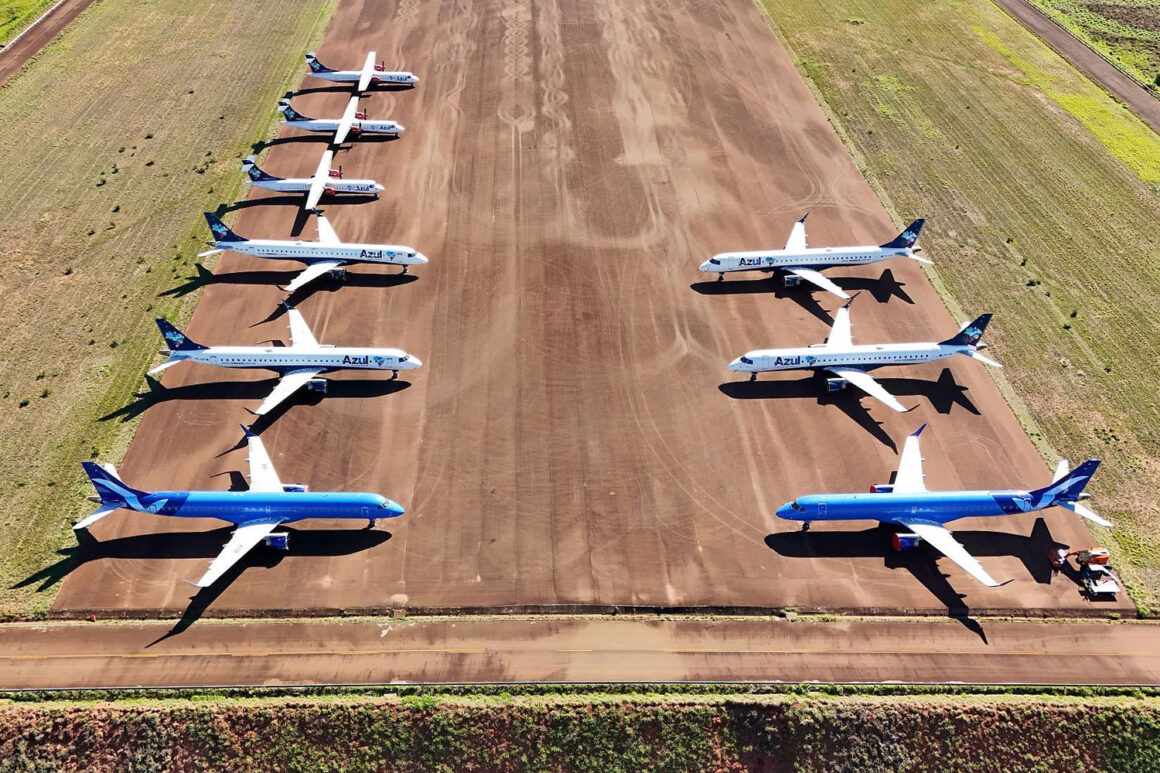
[
  {"x": 15, "y": 54},
  {"x": 574, "y": 439}
]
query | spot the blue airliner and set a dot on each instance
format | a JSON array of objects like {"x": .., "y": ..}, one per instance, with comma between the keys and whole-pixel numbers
[
  {"x": 256, "y": 512},
  {"x": 907, "y": 503}
]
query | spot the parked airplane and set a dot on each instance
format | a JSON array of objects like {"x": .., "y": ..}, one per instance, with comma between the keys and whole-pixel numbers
[
  {"x": 353, "y": 122},
  {"x": 257, "y": 512},
  {"x": 325, "y": 180},
  {"x": 327, "y": 255},
  {"x": 849, "y": 362},
  {"x": 298, "y": 364},
  {"x": 797, "y": 261},
  {"x": 370, "y": 75},
  {"x": 906, "y": 502}
]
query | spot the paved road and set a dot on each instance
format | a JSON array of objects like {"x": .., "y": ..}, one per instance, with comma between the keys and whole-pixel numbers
[
  {"x": 576, "y": 650},
  {"x": 1139, "y": 100},
  {"x": 13, "y": 57}
]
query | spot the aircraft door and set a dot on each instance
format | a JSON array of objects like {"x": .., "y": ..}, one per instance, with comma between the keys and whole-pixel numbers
[{"x": 821, "y": 509}]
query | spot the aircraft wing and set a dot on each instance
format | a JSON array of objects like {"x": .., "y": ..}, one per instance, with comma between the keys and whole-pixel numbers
[
  {"x": 244, "y": 538},
  {"x": 368, "y": 72},
  {"x": 287, "y": 385},
  {"x": 816, "y": 278},
  {"x": 318, "y": 182},
  {"x": 326, "y": 232},
  {"x": 841, "y": 334},
  {"x": 312, "y": 272},
  {"x": 346, "y": 121},
  {"x": 909, "y": 478},
  {"x": 797, "y": 236},
  {"x": 300, "y": 334},
  {"x": 944, "y": 542},
  {"x": 263, "y": 476},
  {"x": 867, "y": 384}
]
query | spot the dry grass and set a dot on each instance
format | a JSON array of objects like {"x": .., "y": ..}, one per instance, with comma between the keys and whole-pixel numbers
[
  {"x": 115, "y": 140},
  {"x": 1041, "y": 194}
]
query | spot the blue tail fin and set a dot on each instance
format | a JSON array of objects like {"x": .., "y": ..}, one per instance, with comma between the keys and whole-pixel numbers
[
  {"x": 177, "y": 341},
  {"x": 1068, "y": 488},
  {"x": 971, "y": 334},
  {"x": 289, "y": 113},
  {"x": 111, "y": 489},
  {"x": 907, "y": 238},
  {"x": 315, "y": 65},
  {"x": 250, "y": 167},
  {"x": 221, "y": 232}
]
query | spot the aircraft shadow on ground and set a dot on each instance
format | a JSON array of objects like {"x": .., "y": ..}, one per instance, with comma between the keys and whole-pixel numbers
[
  {"x": 205, "y": 277},
  {"x": 347, "y": 88},
  {"x": 943, "y": 394},
  {"x": 293, "y": 200},
  {"x": 255, "y": 391},
  {"x": 1034, "y": 551},
  {"x": 882, "y": 289}
]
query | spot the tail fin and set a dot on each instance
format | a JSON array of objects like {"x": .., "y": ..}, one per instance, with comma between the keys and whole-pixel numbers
[
  {"x": 250, "y": 167},
  {"x": 907, "y": 238},
  {"x": 1067, "y": 489},
  {"x": 289, "y": 113},
  {"x": 970, "y": 334},
  {"x": 177, "y": 340},
  {"x": 221, "y": 232},
  {"x": 112, "y": 490},
  {"x": 315, "y": 65}
]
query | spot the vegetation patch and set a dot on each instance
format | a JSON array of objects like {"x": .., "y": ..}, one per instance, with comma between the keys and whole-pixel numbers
[
  {"x": 16, "y": 15},
  {"x": 1127, "y": 32},
  {"x": 117, "y": 137},
  {"x": 1041, "y": 196}
]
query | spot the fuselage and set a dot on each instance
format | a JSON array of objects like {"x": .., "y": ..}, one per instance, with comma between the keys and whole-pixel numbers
[
  {"x": 330, "y": 126},
  {"x": 309, "y": 252},
  {"x": 817, "y": 258},
  {"x": 287, "y": 358},
  {"x": 335, "y": 185},
  {"x": 861, "y": 356},
  {"x": 380, "y": 77},
  {"x": 929, "y": 506},
  {"x": 244, "y": 506}
]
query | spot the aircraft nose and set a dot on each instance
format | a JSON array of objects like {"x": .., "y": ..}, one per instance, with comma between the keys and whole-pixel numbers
[
  {"x": 392, "y": 509},
  {"x": 420, "y": 259},
  {"x": 379, "y": 188},
  {"x": 415, "y": 362},
  {"x": 736, "y": 364},
  {"x": 414, "y": 79},
  {"x": 785, "y": 511},
  {"x": 706, "y": 266},
  {"x": 401, "y": 128}
]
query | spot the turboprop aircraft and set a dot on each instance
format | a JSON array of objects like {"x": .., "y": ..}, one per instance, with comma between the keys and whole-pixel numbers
[
  {"x": 907, "y": 503},
  {"x": 257, "y": 512},
  {"x": 797, "y": 261},
  {"x": 370, "y": 75},
  {"x": 298, "y": 364},
  {"x": 850, "y": 362},
  {"x": 353, "y": 122},
  {"x": 325, "y": 180},
  {"x": 327, "y": 255}
]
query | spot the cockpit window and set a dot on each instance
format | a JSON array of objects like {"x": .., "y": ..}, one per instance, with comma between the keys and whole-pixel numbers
[
  {"x": 384, "y": 505},
  {"x": 797, "y": 508},
  {"x": 403, "y": 358},
  {"x": 746, "y": 360},
  {"x": 714, "y": 261}
]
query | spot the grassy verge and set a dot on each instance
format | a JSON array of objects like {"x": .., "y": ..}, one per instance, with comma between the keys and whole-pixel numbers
[
  {"x": 1041, "y": 194},
  {"x": 15, "y": 15},
  {"x": 1125, "y": 31},
  {"x": 598, "y": 731},
  {"x": 117, "y": 137}
]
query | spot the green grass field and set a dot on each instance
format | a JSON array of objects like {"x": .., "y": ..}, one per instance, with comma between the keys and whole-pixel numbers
[
  {"x": 15, "y": 15},
  {"x": 116, "y": 139},
  {"x": 1125, "y": 31},
  {"x": 1041, "y": 193}
]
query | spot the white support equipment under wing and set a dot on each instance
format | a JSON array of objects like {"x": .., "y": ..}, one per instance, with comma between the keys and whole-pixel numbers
[
  {"x": 842, "y": 333},
  {"x": 244, "y": 538},
  {"x": 368, "y": 72},
  {"x": 287, "y": 385},
  {"x": 867, "y": 384},
  {"x": 346, "y": 121},
  {"x": 326, "y": 232},
  {"x": 300, "y": 335},
  {"x": 815, "y": 278},
  {"x": 318, "y": 182},
  {"x": 312, "y": 272},
  {"x": 944, "y": 542},
  {"x": 797, "y": 236}
]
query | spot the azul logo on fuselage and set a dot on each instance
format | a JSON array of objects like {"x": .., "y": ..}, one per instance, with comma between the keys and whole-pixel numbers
[
  {"x": 365, "y": 359},
  {"x": 754, "y": 262},
  {"x": 375, "y": 254}
]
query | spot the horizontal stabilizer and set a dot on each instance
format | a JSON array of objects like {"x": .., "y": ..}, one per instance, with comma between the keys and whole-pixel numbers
[
  {"x": 985, "y": 360},
  {"x": 1084, "y": 512},
  {"x": 97, "y": 515}
]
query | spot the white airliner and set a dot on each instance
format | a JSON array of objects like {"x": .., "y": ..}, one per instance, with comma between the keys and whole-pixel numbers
[
  {"x": 797, "y": 261},
  {"x": 327, "y": 255},
  {"x": 353, "y": 122},
  {"x": 325, "y": 181},
  {"x": 850, "y": 362},
  {"x": 298, "y": 364},
  {"x": 370, "y": 75}
]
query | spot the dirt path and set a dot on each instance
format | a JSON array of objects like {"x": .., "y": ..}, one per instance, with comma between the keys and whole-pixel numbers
[
  {"x": 574, "y": 440},
  {"x": 1145, "y": 105},
  {"x": 520, "y": 650},
  {"x": 14, "y": 55}
]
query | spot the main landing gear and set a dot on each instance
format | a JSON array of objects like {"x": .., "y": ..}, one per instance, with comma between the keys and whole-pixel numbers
[
  {"x": 721, "y": 277},
  {"x": 394, "y": 375},
  {"x": 805, "y": 526},
  {"x": 370, "y": 523},
  {"x": 753, "y": 376},
  {"x": 405, "y": 269}
]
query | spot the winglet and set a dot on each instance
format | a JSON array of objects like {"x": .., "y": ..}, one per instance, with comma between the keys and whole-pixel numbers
[
  {"x": 852, "y": 297},
  {"x": 918, "y": 431},
  {"x": 803, "y": 219},
  {"x": 246, "y": 431},
  {"x": 286, "y": 305}
]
